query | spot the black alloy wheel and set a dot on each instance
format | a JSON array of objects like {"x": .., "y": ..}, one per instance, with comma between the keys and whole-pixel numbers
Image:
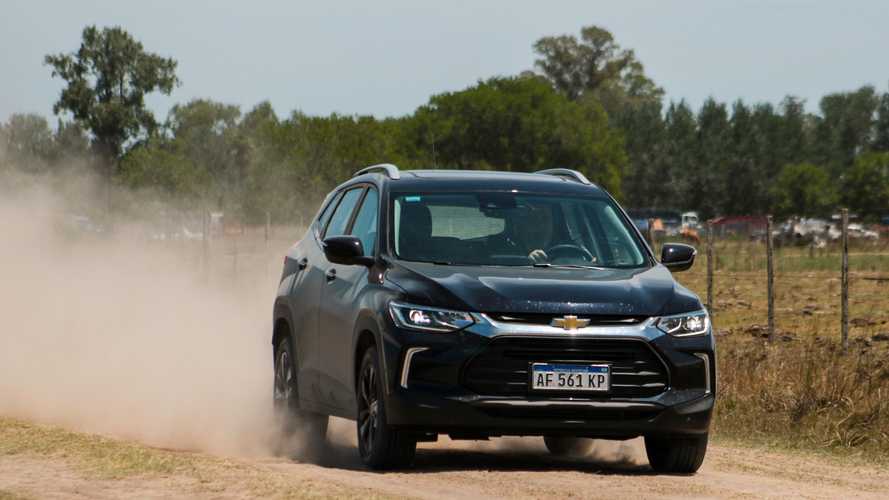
[
  {"x": 304, "y": 433},
  {"x": 380, "y": 446}
]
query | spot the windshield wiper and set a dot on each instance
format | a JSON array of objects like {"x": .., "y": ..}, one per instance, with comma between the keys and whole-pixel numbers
[{"x": 567, "y": 266}]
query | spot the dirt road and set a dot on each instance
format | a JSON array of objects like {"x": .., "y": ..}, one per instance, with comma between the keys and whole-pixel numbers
[{"x": 507, "y": 468}]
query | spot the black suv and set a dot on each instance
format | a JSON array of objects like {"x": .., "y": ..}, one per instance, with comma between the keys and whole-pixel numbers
[{"x": 480, "y": 304}]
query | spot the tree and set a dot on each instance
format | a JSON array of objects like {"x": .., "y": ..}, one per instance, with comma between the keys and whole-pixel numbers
[
  {"x": 680, "y": 157},
  {"x": 804, "y": 189},
  {"x": 645, "y": 133},
  {"x": 743, "y": 195},
  {"x": 845, "y": 127},
  {"x": 881, "y": 127},
  {"x": 594, "y": 63},
  {"x": 29, "y": 142},
  {"x": 106, "y": 83},
  {"x": 866, "y": 185},
  {"x": 154, "y": 166},
  {"x": 71, "y": 142},
  {"x": 708, "y": 182},
  {"x": 519, "y": 124}
]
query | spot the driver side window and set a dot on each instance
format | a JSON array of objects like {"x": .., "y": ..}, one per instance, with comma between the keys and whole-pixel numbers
[
  {"x": 340, "y": 218},
  {"x": 365, "y": 225}
]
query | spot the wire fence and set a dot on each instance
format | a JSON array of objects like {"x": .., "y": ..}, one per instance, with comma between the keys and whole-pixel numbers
[{"x": 833, "y": 285}]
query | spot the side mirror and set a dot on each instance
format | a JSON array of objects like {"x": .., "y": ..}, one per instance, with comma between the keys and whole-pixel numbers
[
  {"x": 678, "y": 257},
  {"x": 346, "y": 250}
]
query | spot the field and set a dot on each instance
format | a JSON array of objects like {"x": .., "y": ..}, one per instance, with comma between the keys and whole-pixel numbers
[{"x": 802, "y": 390}]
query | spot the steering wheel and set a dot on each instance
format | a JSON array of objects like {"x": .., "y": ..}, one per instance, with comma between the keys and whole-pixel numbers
[{"x": 567, "y": 250}]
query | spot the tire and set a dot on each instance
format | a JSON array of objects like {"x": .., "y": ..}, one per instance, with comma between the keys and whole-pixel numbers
[
  {"x": 304, "y": 433},
  {"x": 380, "y": 446},
  {"x": 676, "y": 455},
  {"x": 568, "y": 446}
]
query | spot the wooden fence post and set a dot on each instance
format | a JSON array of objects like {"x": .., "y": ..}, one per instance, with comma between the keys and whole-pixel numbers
[
  {"x": 205, "y": 244},
  {"x": 710, "y": 267},
  {"x": 268, "y": 228},
  {"x": 770, "y": 269},
  {"x": 844, "y": 295}
]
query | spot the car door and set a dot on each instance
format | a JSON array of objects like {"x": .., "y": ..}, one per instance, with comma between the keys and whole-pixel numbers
[
  {"x": 303, "y": 300},
  {"x": 338, "y": 225},
  {"x": 340, "y": 306}
]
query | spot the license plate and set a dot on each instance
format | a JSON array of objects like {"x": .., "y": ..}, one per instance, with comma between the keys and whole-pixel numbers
[{"x": 564, "y": 377}]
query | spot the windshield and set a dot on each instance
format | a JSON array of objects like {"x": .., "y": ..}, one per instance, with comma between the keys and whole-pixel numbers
[{"x": 509, "y": 229}]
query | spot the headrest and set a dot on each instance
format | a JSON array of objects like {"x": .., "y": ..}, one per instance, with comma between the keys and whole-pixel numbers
[{"x": 415, "y": 226}]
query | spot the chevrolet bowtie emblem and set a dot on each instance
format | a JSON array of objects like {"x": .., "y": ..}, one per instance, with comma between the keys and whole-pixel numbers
[{"x": 570, "y": 322}]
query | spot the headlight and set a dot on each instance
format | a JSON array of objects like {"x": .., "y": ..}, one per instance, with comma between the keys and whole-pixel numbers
[
  {"x": 685, "y": 325},
  {"x": 428, "y": 319}
]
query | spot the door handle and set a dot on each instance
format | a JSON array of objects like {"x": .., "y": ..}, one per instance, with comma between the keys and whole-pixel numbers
[
  {"x": 303, "y": 263},
  {"x": 331, "y": 274}
]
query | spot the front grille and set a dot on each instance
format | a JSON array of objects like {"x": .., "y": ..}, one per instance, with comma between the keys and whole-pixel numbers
[
  {"x": 501, "y": 369},
  {"x": 547, "y": 319}
]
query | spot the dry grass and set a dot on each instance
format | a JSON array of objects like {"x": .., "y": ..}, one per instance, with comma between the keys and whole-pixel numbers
[
  {"x": 102, "y": 458},
  {"x": 802, "y": 391},
  {"x": 94, "y": 455},
  {"x": 11, "y": 495}
]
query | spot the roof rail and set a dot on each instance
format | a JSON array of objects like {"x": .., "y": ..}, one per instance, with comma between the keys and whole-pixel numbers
[
  {"x": 390, "y": 170},
  {"x": 566, "y": 172}
]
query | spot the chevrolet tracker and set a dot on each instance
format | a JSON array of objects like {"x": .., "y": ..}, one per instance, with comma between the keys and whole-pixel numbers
[{"x": 485, "y": 304}]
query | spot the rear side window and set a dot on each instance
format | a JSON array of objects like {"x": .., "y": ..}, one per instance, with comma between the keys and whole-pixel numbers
[
  {"x": 343, "y": 212},
  {"x": 365, "y": 226}
]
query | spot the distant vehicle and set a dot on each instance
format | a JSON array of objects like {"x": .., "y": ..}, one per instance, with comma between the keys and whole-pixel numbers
[
  {"x": 690, "y": 220},
  {"x": 482, "y": 304},
  {"x": 858, "y": 231},
  {"x": 885, "y": 220},
  {"x": 801, "y": 231},
  {"x": 670, "y": 220}
]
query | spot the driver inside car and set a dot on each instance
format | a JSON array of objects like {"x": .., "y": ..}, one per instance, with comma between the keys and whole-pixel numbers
[
  {"x": 529, "y": 232},
  {"x": 535, "y": 233}
]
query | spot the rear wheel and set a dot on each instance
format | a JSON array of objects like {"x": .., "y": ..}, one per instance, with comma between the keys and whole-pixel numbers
[
  {"x": 380, "y": 446},
  {"x": 304, "y": 432},
  {"x": 676, "y": 455},
  {"x": 568, "y": 446}
]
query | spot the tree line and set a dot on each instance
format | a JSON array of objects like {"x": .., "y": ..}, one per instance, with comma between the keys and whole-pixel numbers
[{"x": 587, "y": 104}]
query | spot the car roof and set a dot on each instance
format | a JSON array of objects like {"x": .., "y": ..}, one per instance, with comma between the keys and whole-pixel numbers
[{"x": 474, "y": 180}]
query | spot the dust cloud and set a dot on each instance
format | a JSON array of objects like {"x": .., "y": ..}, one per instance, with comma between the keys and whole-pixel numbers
[
  {"x": 122, "y": 335},
  {"x": 116, "y": 334}
]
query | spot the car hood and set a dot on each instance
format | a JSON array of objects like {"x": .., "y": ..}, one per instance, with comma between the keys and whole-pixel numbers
[{"x": 620, "y": 292}]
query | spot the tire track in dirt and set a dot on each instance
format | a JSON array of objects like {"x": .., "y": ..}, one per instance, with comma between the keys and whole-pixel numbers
[{"x": 451, "y": 469}]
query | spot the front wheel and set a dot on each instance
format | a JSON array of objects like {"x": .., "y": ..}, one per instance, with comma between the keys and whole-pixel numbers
[
  {"x": 380, "y": 446},
  {"x": 682, "y": 455},
  {"x": 303, "y": 433}
]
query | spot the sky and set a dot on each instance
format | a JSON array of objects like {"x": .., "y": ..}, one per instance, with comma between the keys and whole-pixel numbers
[{"x": 385, "y": 58}]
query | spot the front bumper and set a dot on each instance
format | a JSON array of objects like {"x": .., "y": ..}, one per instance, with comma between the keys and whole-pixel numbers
[{"x": 427, "y": 389}]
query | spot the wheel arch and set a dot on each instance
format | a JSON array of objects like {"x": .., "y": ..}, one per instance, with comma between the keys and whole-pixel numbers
[
  {"x": 282, "y": 327},
  {"x": 367, "y": 334}
]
